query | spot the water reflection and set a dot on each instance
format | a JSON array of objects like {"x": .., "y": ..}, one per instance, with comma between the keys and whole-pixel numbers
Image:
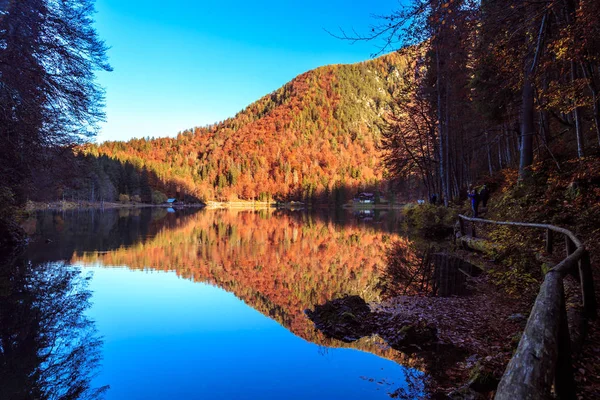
[
  {"x": 390, "y": 219},
  {"x": 57, "y": 235},
  {"x": 414, "y": 271},
  {"x": 49, "y": 349},
  {"x": 278, "y": 262}
]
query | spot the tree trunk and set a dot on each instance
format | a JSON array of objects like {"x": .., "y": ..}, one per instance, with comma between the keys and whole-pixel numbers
[
  {"x": 442, "y": 144},
  {"x": 544, "y": 118},
  {"x": 577, "y": 116},
  {"x": 596, "y": 116},
  {"x": 446, "y": 128},
  {"x": 527, "y": 128},
  {"x": 508, "y": 148},
  {"x": 500, "y": 162},
  {"x": 527, "y": 109}
]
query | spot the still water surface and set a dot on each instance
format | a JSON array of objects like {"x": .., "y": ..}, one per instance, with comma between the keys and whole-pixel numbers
[{"x": 210, "y": 304}]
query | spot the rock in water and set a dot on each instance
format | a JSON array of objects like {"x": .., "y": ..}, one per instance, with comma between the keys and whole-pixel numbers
[{"x": 344, "y": 319}]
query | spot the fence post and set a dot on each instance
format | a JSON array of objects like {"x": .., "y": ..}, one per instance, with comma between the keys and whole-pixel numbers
[
  {"x": 462, "y": 226},
  {"x": 587, "y": 286},
  {"x": 549, "y": 241},
  {"x": 473, "y": 232}
]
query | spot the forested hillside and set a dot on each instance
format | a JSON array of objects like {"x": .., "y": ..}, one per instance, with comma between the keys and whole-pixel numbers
[
  {"x": 494, "y": 85},
  {"x": 316, "y": 138}
]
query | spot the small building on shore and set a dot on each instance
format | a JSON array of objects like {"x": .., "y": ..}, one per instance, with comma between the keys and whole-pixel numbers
[{"x": 365, "y": 198}]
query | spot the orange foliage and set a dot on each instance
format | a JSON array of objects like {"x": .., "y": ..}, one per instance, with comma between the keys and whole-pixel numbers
[{"x": 307, "y": 140}]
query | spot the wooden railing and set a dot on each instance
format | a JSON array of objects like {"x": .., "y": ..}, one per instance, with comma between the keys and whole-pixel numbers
[{"x": 542, "y": 361}]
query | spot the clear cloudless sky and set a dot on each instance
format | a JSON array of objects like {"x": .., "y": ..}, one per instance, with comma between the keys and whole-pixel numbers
[{"x": 185, "y": 63}]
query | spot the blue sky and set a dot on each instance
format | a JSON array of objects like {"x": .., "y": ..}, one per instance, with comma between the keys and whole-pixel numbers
[{"x": 186, "y": 63}]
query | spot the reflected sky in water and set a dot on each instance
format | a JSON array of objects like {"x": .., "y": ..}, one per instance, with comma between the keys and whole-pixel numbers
[
  {"x": 165, "y": 337},
  {"x": 211, "y": 304}
]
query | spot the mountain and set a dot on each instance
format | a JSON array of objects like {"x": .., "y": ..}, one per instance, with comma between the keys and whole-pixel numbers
[{"x": 315, "y": 138}]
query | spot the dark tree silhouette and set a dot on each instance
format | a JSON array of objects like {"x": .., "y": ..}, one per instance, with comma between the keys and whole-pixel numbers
[
  {"x": 49, "y": 349},
  {"x": 49, "y": 53}
]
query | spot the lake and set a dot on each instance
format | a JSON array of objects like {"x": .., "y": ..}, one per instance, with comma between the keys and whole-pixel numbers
[{"x": 198, "y": 304}]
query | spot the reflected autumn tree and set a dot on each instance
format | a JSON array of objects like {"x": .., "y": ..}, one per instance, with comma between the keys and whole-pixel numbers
[
  {"x": 49, "y": 348},
  {"x": 423, "y": 271},
  {"x": 407, "y": 271},
  {"x": 282, "y": 263}
]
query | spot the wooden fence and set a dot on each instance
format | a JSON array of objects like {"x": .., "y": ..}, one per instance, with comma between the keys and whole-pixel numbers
[{"x": 542, "y": 363}]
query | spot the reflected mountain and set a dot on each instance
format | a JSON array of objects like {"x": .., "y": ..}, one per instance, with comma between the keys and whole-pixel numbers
[
  {"x": 277, "y": 261},
  {"x": 49, "y": 349}
]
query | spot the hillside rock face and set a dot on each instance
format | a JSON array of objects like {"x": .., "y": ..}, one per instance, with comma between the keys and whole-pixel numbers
[{"x": 314, "y": 138}]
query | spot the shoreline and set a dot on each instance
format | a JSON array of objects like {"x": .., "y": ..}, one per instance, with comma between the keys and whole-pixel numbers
[
  {"x": 250, "y": 205},
  {"x": 240, "y": 205},
  {"x": 96, "y": 205},
  {"x": 33, "y": 206}
]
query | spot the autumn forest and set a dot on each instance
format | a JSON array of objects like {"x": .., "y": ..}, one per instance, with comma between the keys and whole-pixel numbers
[{"x": 481, "y": 87}]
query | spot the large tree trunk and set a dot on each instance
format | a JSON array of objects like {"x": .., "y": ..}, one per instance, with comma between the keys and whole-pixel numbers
[{"x": 527, "y": 128}]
